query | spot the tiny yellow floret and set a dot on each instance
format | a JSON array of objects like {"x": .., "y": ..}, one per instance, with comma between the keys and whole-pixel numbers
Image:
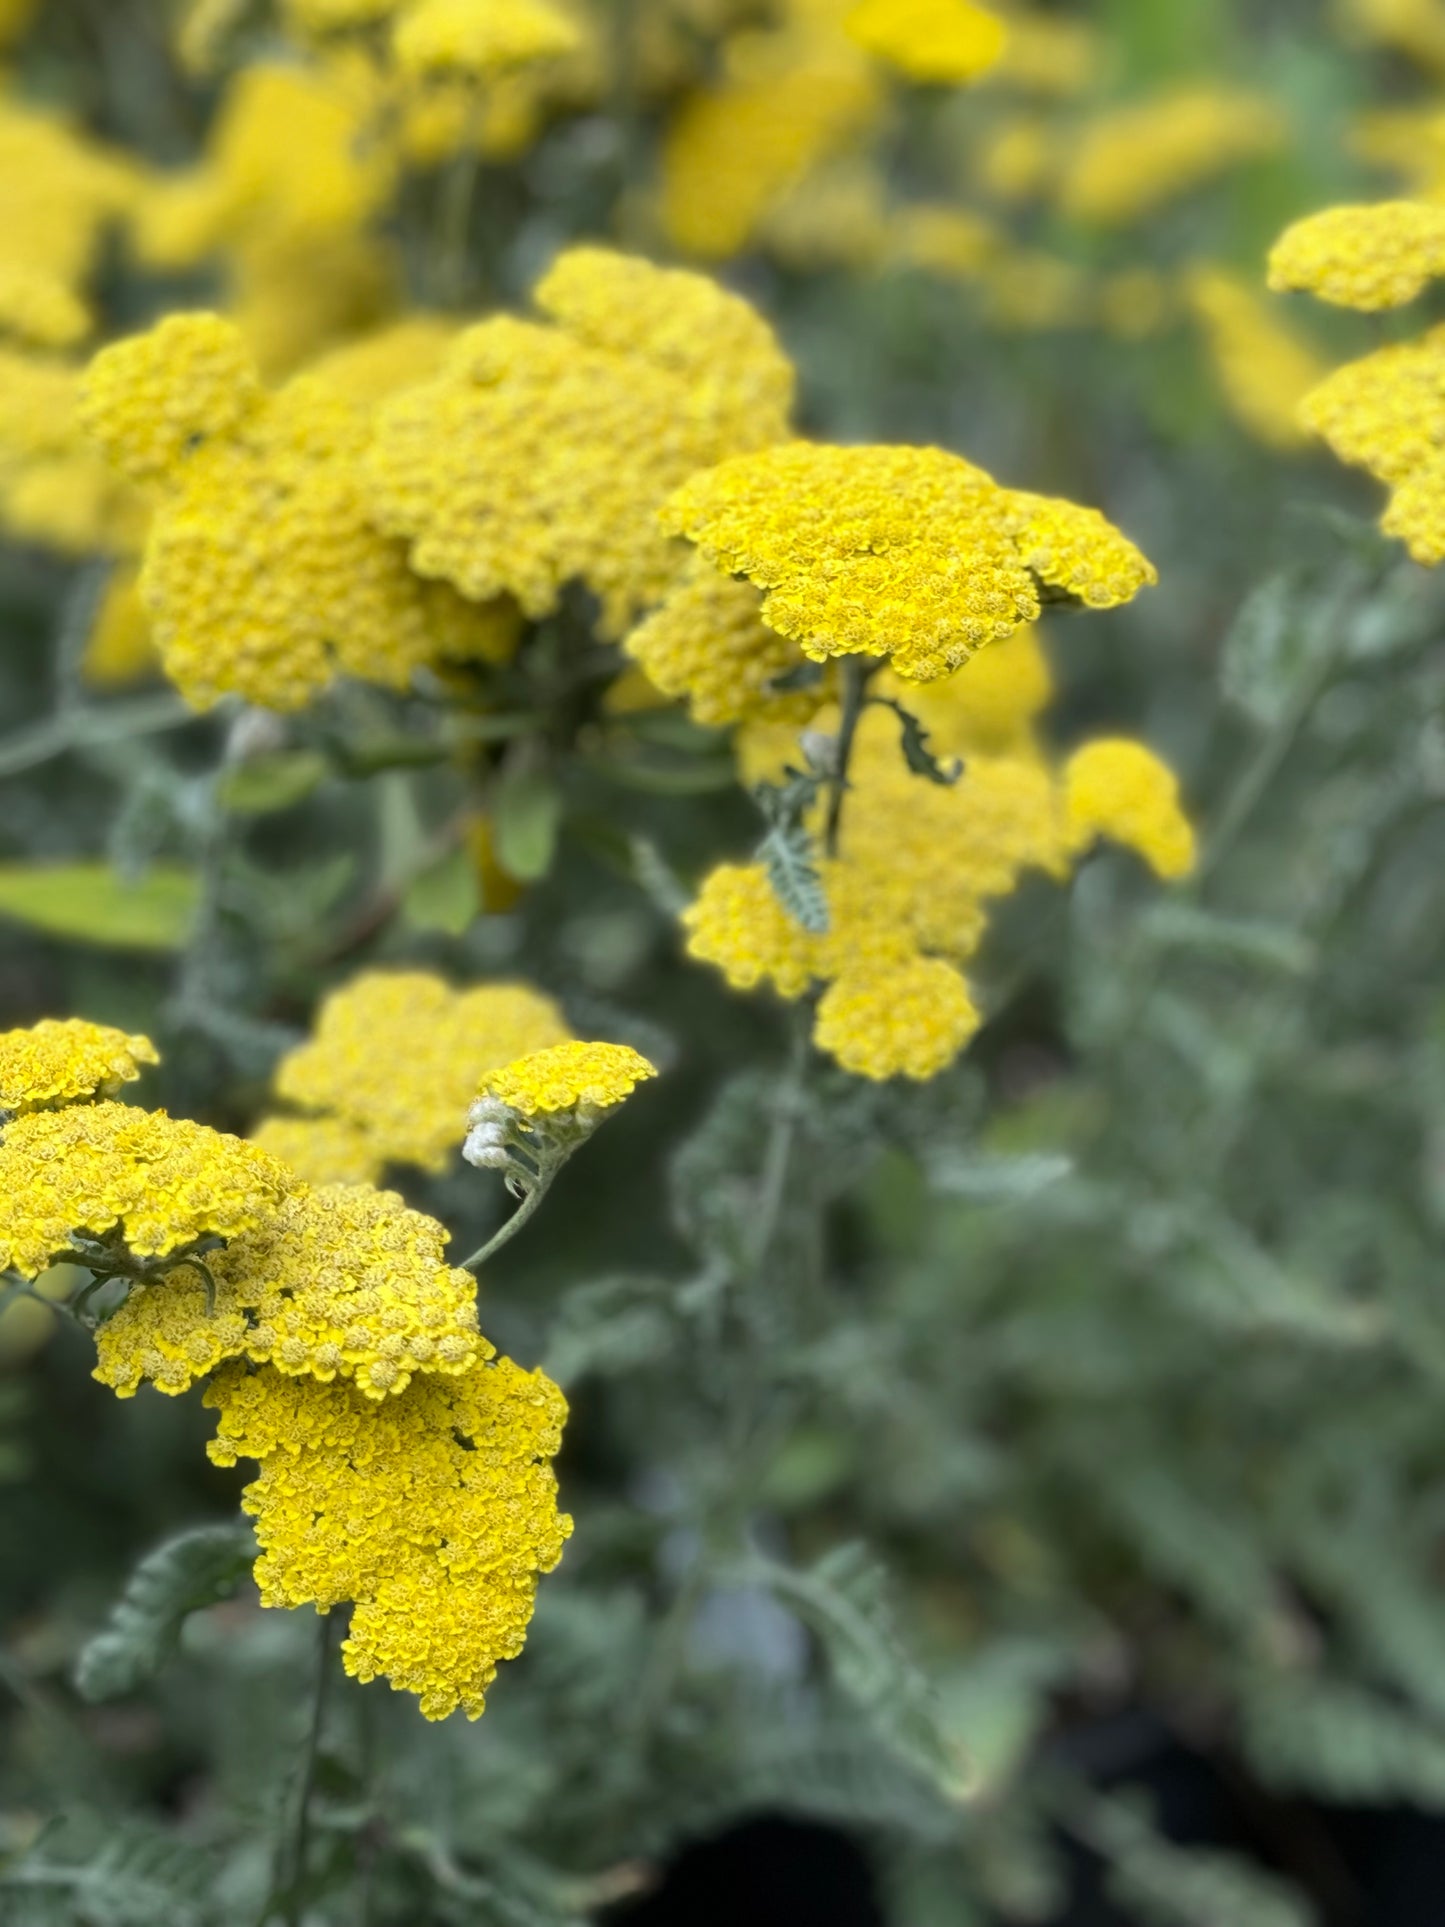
[
  {"x": 60, "y": 1061},
  {"x": 569, "y": 1077}
]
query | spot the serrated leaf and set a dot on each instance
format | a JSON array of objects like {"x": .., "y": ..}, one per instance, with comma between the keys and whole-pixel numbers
[
  {"x": 1255, "y": 940},
  {"x": 913, "y": 740},
  {"x": 270, "y": 783},
  {"x": 445, "y": 896},
  {"x": 526, "y": 818},
  {"x": 788, "y": 855},
  {"x": 987, "y": 1178},
  {"x": 612, "y": 1326},
  {"x": 90, "y": 903},
  {"x": 844, "y": 1600},
  {"x": 196, "y": 1569}
]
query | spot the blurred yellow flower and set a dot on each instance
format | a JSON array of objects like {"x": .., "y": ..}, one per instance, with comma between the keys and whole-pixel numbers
[{"x": 936, "y": 42}]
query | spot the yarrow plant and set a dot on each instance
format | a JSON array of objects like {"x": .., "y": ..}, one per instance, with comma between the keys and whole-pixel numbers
[{"x": 645, "y": 749}]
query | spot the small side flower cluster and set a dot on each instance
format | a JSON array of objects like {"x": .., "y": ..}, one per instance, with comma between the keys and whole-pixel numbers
[
  {"x": 1386, "y": 411},
  {"x": 434, "y": 1513},
  {"x": 402, "y": 1463},
  {"x": 549, "y": 1101},
  {"x": 918, "y": 862},
  {"x": 62, "y": 1060},
  {"x": 392, "y": 1067}
]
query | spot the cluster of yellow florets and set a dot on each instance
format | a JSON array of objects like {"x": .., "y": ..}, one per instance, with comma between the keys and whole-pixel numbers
[
  {"x": 159, "y": 1183},
  {"x": 1131, "y": 159},
  {"x": 58, "y": 193},
  {"x": 941, "y": 41},
  {"x": 918, "y": 863},
  {"x": 60, "y": 1061},
  {"x": 404, "y": 1466},
  {"x": 434, "y": 1512},
  {"x": 707, "y": 643},
  {"x": 909, "y": 553},
  {"x": 262, "y": 574},
  {"x": 569, "y": 1077},
  {"x": 1386, "y": 411},
  {"x": 395, "y": 1061},
  {"x": 342, "y": 1281},
  {"x": 543, "y": 452},
  {"x": 1371, "y": 257},
  {"x": 479, "y": 38}
]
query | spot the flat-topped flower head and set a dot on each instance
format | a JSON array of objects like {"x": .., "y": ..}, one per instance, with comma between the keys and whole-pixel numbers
[
  {"x": 909, "y": 553},
  {"x": 1370, "y": 257},
  {"x": 1120, "y": 789},
  {"x": 262, "y": 574},
  {"x": 433, "y": 1512},
  {"x": 157, "y": 1183},
  {"x": 938, "y": 42},
  {"x": 479, "y": 38},
  {"x": 151, "y": 400},
  {"x": 568, "y": 1078},
  {"x": 64, "y": 1060},
  {"x": 896, "y": 1019},
  {"x": 543, "y": 451},
  {"x": 397, "y": 1057},
  {"x": 1386, "y": 411},
  {"x": 339, "y": 1282}
]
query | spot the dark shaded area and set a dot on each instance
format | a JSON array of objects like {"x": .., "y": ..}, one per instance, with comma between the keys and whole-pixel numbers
[{"x": 771, "y": 1872}]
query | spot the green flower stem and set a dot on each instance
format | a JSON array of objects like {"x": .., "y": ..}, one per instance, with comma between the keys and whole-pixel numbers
[
  {"x": 297, "y": 1845},
  {"x": 856, "y": 673},
  {"x": 536, "y": 1191}
]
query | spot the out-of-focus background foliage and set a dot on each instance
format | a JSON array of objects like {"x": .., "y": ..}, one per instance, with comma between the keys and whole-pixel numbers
[{"x": 1061, "y": 1518}]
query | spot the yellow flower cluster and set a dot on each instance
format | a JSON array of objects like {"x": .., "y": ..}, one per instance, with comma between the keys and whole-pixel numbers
[
  {"x": 1371, "y": 257},
  {"x": 708, "y": 644},
  {"x": 910, "y": 553},
  {"x": 262, "y": 574},
  {"x": 150, "y": 401},
  {"x": 786, "y": 101},
  {"x": 479, "y": 38},
  {"x": 542, "y": 453},
  {"x": 58, "y": 194},
  {"x": 55, "y": 488},
  {"x": 393, "y": 1065},
  {"x": 569, "y": 1077},
  {"x": 403, "y": 1465},
  {"x": 434, "y": 1512},
  {"x": 160, "y": 1182},
  {"x": 939, "y": 42},
  {"x": 918, "y": 863},
  {"x": 60, "y": 1061},
  {"x": 1264, "y": 368},
  {"x": 342, "y": 1282},
  {"x": 1386, "y": 411},
  {"x": 1116, "y": 788},
  {"x": 1133, "y": 159}
]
